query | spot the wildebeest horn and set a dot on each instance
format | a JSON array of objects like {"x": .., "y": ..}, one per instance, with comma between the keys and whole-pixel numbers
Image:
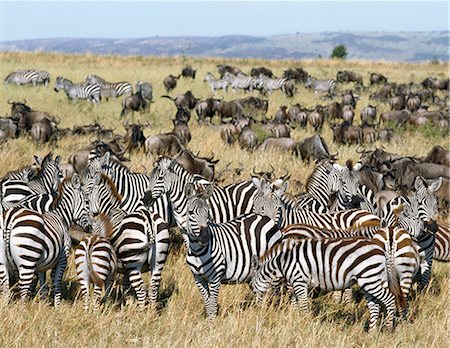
[
  {"x": 358, "y": 151},
  {"x": 57, "y": 119},
  {"x": 335, "y": 155},
  {"x": 10, "y": 102},
  {"x": 285, "y": 176},
  {"x": 256, "y": 173}
]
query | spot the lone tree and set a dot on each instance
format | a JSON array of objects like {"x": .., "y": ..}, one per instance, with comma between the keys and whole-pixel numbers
[{"x": 339, "y": 52}]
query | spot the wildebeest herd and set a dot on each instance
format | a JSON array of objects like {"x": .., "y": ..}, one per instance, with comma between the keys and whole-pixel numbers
[{"x": 371, "y": 223}]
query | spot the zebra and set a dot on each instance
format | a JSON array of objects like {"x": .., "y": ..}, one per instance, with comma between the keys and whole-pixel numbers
[
  {"x": 268, "y": 85},
  {"x": 330, "y": 264},
  {"x": 45, "y": 181},
  {"x": 121, "y": 88},
  {"x": 33, "y": 243},
  {"x": 44, "y": 77},
  {"x": 216, "y": 84},
  {"x": 141, "y": 239},
  {"x": 240, "y": 81},
  {"x": 222, "y": 252},
  {"x": 442, "y": 244},
  {"x": 321, "y": 85},
  {"x": 23, "y": 77},
  {"x": 96, "y": 260},
  {"x": 268, "y": 201},
  {"x": 78, "y": 91}
]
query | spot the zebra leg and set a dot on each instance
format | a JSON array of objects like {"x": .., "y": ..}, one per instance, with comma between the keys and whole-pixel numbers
[
  {"x": 43, "y": 286},
  {"x": 4, "y": 282},
  {"x": 57, "y": 279},
  {"x": 25, "y": 281},
  {"x": 300, "y": 298},
  {"x": 374, "y": 309},
  {"x": 337, "y": 296},
  {"x": 137, "y": 284},
  {"x": 425, "y": 276},
  {"x": 212, "y": 307},
  {"x": 157, "y": 262},
  {"x": 97, "y": 296},
  {"x": 202, "y": 285},
  {"x": 389, "y": 303},
  {"x": 347, "y": 296}
]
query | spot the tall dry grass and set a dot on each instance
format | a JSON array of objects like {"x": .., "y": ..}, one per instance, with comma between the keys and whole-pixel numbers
[{"x": 181, "y": 321}]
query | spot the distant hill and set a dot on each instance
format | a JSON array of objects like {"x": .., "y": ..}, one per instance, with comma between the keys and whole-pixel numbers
[{"x": 390, "y": 46}]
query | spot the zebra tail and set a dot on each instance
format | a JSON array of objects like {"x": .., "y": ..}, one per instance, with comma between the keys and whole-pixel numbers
[
  {"x": 92, "y": 273},
  {"x": 393, "y": 279}
]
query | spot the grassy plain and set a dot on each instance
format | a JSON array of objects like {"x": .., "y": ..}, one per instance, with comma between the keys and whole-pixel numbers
[{"x": 181, "y": 321}]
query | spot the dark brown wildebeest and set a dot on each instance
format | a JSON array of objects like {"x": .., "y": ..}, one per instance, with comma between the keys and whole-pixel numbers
[
  {"x": 317, "y": 117},
  {"x": 397, "y": 102},
  {"x": 299, "y": 75},
  {"x": 186, "y": 100},
  {"x": 95, "y": 129},
  {"x": 256, "y": 72},
  {"x": 197, "y": 165},
  {"x": 183, "y": 115},
  {"x": 170, "y": 83},
  {"x": 230, "y": 110},
  {"x": 386, "y": 134},
  {"x": 207, "y": 109},
  {"x": 348, "y": 98},
  {"x": 376, "y": 79},
  {"x": 369, "y": 115},
  {"x": 334, "y": 111},
  {"x": 413, "y": 102},
  {"x": 133, "y": 103},
  {"x": 348, "y": 113},
  {"x": 163, "y": 144},
  {"x": 369, "y": 133},
  {"x": 181, "y": 130},
  {"x": 345, "y": 133},
  {"x": 281, "y": 116},
  {"x": 229, "y": 133},
  {"x": 349, "y": 76},
  {"x": 135, "y": 135},
  {"x": 227, "y": 69},
  {"x": 383, "y": 93},
  {"x": 26, "y": 117},
  {"x": 438, "y": 155},
  {"x": 289, "y": 88},
  {"x": 187, "y": 71},
  {"x": 277, "y": 129},
  {"x": 397, "y": 117},
  {"x": 297, "y": 115},
  {"x": 316, "y": 148},
  {"x": 407, "y": 175},
  {"x": 254, "y": 105},
  {"x": 433, "y": 83}
]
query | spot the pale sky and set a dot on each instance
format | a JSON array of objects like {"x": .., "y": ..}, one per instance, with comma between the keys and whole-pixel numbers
[{"x": 125, "y": 19}]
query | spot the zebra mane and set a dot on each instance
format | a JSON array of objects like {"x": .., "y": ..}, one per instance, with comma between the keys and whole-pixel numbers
[
  {"x": 66, "y": 181},
  {"x": 315, "y": 175},
  {"x": 103, "y": 226},
  {"x": 108, "y": 181}
]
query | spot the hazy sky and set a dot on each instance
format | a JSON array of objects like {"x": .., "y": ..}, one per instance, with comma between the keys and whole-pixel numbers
[{"x": 126, "y": 19}]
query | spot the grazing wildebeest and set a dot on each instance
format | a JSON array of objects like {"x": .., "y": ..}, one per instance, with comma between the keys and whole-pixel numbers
[
  {"x": 133, "y": 103},
  {"x": 299, "y": 75},
  {"x": 433, "y": 83},
  {"x": 255, "y": 72},
  {"x": 438, "y": 155},
  {"x": 317, "y": 117},
  {"x": 349, "y": 76},
  {"x": 316, "y": 148},
  {"x": 278, "y": 144},
  {"x": 383, "y": 93},
  {"x": 229, "y": 133},
  {"x": 397, "y": 102},
  {"x": 26, "y": 117},
  {"x": 348, "y": 98},
  {"x": 41, "y": 131},
  {"x": 348, "y": 113},
  {"x": 248, "y": 138},
  {"x": 186, "y": 100},
  {"x": 170, "y": 83},
  {"x": 376, "y": 79},
  {"x": 334, "y": 111},
  {"x": 207, "y": 108},
  {"x": 397, "y": 117}
]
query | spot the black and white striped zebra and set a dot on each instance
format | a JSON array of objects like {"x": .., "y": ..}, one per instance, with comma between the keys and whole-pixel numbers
[
  {"x": 223, "y": 253},
  {"x": 23, "y": 77},
  {"x": 44, "y": 77},
  {"x": 240, "y": 81},
  {"x": 141, "y": 238},
  {"x": 32, "y": 243},
  {"x": 268, "y": 201},
  {"x": 268, "y": 85},
  {"x": 327, "y": 85},
  {"x": 330, "y": 264},
  {"x": 216, "y": 84},
  {"x": 75, "y": 91},
  {"x": 442, "y": 244},
  {"x": 45, "y": 181},
  {"x": 121, "y": 88},
  {"x": 96, "y": 261}
]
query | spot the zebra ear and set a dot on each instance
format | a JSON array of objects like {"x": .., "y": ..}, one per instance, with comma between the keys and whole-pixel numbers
[
  {"x": 76, "y": 182},
  {"x": 418, "y": 183},
  {"x": 58, "y": 160},
  {"x": 38, "y": 160},
  {"x": 97, "y": 178},
  {"x": 189, "y": 190},
  {"x": 106, "y": 157},
  {"x": 435, "y": 185},
  {"x": 209, "y": 191}
]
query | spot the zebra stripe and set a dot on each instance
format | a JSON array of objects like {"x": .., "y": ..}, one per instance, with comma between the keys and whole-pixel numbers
[
  {"x": 268, "y": 85},
  {"x": 330, "y": 264},
  {"x": 121, "y": 88},
  {"x": 96, "y": 261},
  {"x": 78, "y": 91},
  {"x": 442, "y": 244},
  {"x": 222, "y": 253},
  {"x": 34, "y": 243},
  {"x": 216, "y": 84},
  {"x": 23, "y": 77},
  {"x": 321, "y": 85}
]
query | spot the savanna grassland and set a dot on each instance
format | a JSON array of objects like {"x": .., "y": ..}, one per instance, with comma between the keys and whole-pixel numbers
[{"x": 180, "y": 320}]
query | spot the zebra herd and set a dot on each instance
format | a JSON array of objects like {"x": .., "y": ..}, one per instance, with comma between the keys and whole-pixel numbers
[{"x": 248, "y": 232}]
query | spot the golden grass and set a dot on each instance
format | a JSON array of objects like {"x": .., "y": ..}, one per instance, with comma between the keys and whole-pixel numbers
[{"x": 181, "y": 321}]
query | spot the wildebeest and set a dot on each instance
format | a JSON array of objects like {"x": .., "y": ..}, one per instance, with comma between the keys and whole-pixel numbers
[
  {"x": 345, "y": 133},
  {"x": 8, "y": 128},
  {"x": 197, "y": 165},
  {"x": 334, "y": 111},
  {"x": 95, "y": 129},
  {"x": 314, "y": 147},
  {"x": 386, "y": 134},
  {"x": 248, "y": 138},
  {"x": 187, "y": 71},
  {"x": 281, "y": 115},
  {"x": 348, "y": 98},
  {"x": 316, "y": 118},
  {"x": 229, "y": 133},
  {"x": 41, "y": 131},
  {"x": 134, "y": 137},
  {"x": 433, "y": 83},
  {"x": 170, "y": 83},
  {"x": 349, "y": 76},
  {"x": 348, "y": 113},
  {"x": 383, "y": 93},
  {"x": 227, "y": 69},
  {"x": 397, "y": 117},
  {"x": 254, "y": 105},
  {"x": 369, "y": 115},
  {"x": 183, "y": 115},
  {"x": 207, "y": 108},
  {"x": 26, "y": 117},
  {"x": 369, "y": 133},
  {"x": 255, "y": 72},
  {"x": 397, "y": 102},
  {"x": 288, "y": 88},
  {"x": 134, "y": 102},
  {"x": 298, "y": 74},
  {"x": 186, "y": 100},
  {"x": 181, "y": 130},
  {"x": 278, "y": 144},
  {"x": 230, "y": 109},
  {"x": 298, "y": 115},
  {"x": 376, "y": 79},
  {"x": 412, "y": 102},
  {"x": 438, "y": 155},
  {"x": 163, "y": 144},
  {"x": 408, "y": 173},
  {"x": 277, "y": 129}
]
